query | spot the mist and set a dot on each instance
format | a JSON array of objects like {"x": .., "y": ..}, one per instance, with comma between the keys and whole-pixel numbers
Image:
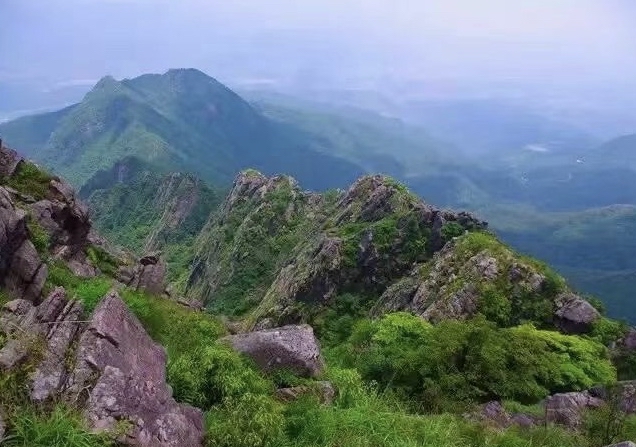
[{"x": 565, "y": 54}]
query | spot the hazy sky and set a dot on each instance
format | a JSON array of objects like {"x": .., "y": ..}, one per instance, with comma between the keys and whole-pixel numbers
[{"x": 582, "y": 48}]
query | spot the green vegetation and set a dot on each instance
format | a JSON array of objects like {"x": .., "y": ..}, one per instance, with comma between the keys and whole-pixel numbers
[
  {"x": 30, "y": 180},
  {"x": 436, "y": 367},
  {"x": 102, "y": 260},
  {"x": 38, "y": 236},
  {"x": 149, "y": 212},
  {"x": 88, "y": 290},
  {"x": 62, "y": 427}
]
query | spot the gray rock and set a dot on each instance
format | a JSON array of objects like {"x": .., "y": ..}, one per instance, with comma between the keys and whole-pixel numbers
[
  {"x": 109, "y": 366},
  {"x": 149, "y": 274},
  {"x": 574, "y": 315},
  {"x": 22, "y": 272},
  {"x": 64, "y": 318},
  {"x": 567, "y": 408},
  {"x": 293, "y": 348},
  {"x": 124, "y": 369},
  {"x": 9, "y": 161},
  {"x": 623, "y": 444},
  {"x": 66, "y": 220}
]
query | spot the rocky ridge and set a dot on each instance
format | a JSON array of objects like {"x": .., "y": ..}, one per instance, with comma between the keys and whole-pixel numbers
[{"x": 296, "y": 252}]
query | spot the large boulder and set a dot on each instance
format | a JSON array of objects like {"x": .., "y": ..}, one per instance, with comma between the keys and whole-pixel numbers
[
  {"x": 574, "y": 315},
  {"x": 149, "y": 274},
  {"x": 109, "y": 366},
  {"x": 9, "y": 161},
  {"x": 567, "y": 408},
  {"x": 293, "y": 348}
]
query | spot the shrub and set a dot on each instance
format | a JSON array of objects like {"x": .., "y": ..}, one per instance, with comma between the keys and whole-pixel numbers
[
  {"x": 246, "y": 420},
  {"x": 38, "y": 236},
  {"x": 208, "y": 375},
  {"x": 432, "y": 367},
  {"x": 451, "y": 230}
]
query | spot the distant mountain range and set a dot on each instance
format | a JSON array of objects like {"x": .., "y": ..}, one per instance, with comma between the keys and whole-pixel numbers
[{"x": 557, "y": 201}]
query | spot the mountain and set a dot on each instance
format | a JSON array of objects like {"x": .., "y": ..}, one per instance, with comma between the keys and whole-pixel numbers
[
  {"x": 619, "y": 152},
  {"x": 181, "y": 120},
  {"x": 276, "y": 255},
  {"x": 185, "y": 122},
  {"x": 415, "y": 310},
  {"x": 375, "y": 142},
  {"x": 146, "y": 211}
]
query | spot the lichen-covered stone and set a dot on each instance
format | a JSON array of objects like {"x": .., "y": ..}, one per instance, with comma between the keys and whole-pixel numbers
[{"x": 293, "y": 348}]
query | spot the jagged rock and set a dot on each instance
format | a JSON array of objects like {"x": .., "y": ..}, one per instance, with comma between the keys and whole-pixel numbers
[
  {"x": 355, "y": 243},
  {"x": 323, "y": 390},
  {"x": 574, "y": 315},
  {"x": 149, "y": 274},
  {"x": 9, "y": 161},
  {"x": 623, "y": 444},
  {"x": 27, "y": 273},
  {"x": 493, "y": 413},
  {"x": 567, "y": 408},
  {"x": 130, "y": 382},
  {"x": 65, "y": 322},
  {"x": 66, "y": 220},
  {"x": 109, "y": 366},
  {"x": 22, "y": 272},
  {"x": 293, "y": 348},
  {"x": 622, "y": 393}
]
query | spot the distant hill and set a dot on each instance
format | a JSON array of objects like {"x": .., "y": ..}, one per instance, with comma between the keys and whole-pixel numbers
[
  {"x": 181, "y": 120},
  {"x": 619, "y": 151}
]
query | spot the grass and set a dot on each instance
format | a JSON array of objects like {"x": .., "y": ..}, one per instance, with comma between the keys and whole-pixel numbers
[
  {"x": 31, "y": 180},
  {"x": 63, "y": 427}
]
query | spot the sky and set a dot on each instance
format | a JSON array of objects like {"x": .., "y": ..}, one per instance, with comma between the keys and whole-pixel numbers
[{"x": 528, "y": 45}]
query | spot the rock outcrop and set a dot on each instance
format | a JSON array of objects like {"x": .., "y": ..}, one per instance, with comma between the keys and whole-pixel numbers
[
  {"x": 312, "y": 248},
  {"x": 574, "y": 315},
  {"x": 292, "y": 348},
  {"x": 109, "y": 366},
  {"x": 54, "y": 207},
  {"x": 22, "y": 272},
  {"x": 567, "y": 408},
  {"x": 149, "y": 274},
  {"x": 66, "y": 220}
]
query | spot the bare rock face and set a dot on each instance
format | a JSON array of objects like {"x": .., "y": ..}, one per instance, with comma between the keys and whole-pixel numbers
[
  {"x": 109, "y": 366},
  {"x": 567, "y": 408},
  {"x": 9, "y": 161},
  {"x": 22, "y": 272},
  {"x": 574, "y": 315},
  {"x": 131, "y": 381},
  {"x": 66, "y": 220},
  {"x": 623, "y": 444},
  {"x": 149, "y": 274},
  {"x": 293, "y": 348}
]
